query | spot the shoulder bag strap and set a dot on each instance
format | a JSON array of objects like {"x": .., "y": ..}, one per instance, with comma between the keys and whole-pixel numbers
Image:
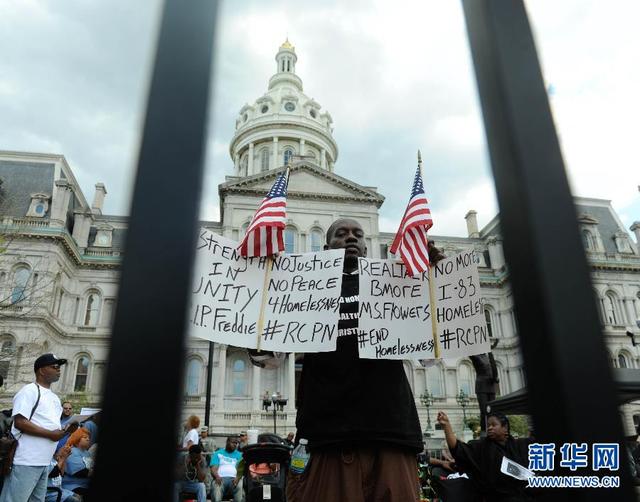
[{"x": 33, "y": 410}]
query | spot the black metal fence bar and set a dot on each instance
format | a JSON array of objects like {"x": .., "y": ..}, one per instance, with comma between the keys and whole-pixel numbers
[
  {"x": 569, "y": 379},
  {"x": 144, "y": 376}
]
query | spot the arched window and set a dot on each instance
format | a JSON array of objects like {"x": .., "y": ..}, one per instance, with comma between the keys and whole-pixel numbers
[
  {"x": 588, "y": 241},
  {"x": 8, "y": 347},
  {"x": 92, "y": 309},
  {"x": 435, "y": 382},
  {"x": 264, "y": 159},
  {"x": 239, "y": 378},
  {"x": 622, "y": 361},
  {"x": 82, "y": 374},
  {"x": 317, "y": 240},
  {"x": 289, "y": 240},
  {"x": 192, "y": 383},
  {"x": 488, "y": 317},
  {"x": 288, "y": 153},
  {"x": 20, "y": 280},
  {"x": 465, "y": 379},
  {"x": 7, "y": 354},
  {"x": 611, "y": 309}
]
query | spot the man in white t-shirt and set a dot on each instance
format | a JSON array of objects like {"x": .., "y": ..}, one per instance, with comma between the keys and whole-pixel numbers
[{"x": 36, "y": 425}]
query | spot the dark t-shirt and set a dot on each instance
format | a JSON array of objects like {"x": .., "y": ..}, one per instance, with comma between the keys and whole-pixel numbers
[{"x": 343, "y": 399}]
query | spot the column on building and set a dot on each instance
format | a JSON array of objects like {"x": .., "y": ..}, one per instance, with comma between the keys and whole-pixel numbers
[
  {"x": 274, "y": 164},
  {"x": 291, "y": 382},
  {"x": 236, "y": 163},
  {"x": 628, "y": 305},
  {"x": 302, "y": 146},
  {"x": 514, "y": 379},
  {"x": 255, "y": 391},
  {"x": 495, "y": 253},
  {"x": 222, "y": 374},
  {"x": 323, "y": 158},
  {"x": 250, "y": 166},
  {"x": 504, "y": 332}
]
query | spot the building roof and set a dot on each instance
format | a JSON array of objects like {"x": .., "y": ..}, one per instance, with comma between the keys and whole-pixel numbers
[{"x": 19, "y": 181}]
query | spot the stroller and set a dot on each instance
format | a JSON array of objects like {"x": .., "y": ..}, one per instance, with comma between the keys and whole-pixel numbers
[{"x": 265, "y": 469}]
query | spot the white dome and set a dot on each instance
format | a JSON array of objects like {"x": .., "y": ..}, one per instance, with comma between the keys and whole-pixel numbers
[{"x": 283, "y": 124}]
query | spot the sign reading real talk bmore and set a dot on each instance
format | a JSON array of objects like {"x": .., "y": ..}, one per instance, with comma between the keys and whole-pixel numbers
[
  {"x": 300, "y": 310},
  {"x": 395, "y": 315}
]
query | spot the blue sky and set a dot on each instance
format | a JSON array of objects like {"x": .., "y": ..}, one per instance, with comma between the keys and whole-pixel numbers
[{"x": 394, "y": 76}]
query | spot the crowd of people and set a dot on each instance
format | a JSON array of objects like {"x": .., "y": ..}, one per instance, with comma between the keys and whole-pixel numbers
[
  {"x": 204, "y": 470},
  {"x": 53, "y": 456}
]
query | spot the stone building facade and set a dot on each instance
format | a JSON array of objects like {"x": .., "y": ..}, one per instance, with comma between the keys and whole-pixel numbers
[{"x": 60, "y": 260}]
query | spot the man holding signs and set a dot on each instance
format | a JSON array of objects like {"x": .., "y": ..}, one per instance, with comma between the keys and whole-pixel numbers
[{"x": 358, "y": 415}]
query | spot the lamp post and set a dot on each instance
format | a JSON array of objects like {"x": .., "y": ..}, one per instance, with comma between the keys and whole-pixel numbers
[
  {"x": 427, "y": 401},
  {"x": 278, "y": 402},
  {"x": 463, "y": 400}
]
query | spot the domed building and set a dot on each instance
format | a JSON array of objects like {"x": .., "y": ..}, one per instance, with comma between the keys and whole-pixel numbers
[
  {"x": 285, "y": 127},
  {"x": 282, "y": 125}
]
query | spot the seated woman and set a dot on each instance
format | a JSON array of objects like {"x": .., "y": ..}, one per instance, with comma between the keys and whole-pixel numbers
[
  {"x": 481, "y": 459},
  {"x": 79, "y": 465}
]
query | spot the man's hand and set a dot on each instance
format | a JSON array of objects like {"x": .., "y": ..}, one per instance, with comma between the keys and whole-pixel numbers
[
  {"x": 435, "y": 255},
  {"x": 235, "y": 482},
  {"x": 64, "y": 452},
  {"x": 57, "y": 435},
  {"x": 443, "y": 419}
]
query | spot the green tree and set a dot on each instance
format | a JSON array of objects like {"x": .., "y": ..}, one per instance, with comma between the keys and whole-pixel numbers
[{"x": 519, "y": 425}]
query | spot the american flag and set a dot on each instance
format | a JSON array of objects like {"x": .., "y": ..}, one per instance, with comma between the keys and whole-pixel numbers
[
  {"x": 411, "y": 240},
  {"x": 264, "y": 233}
]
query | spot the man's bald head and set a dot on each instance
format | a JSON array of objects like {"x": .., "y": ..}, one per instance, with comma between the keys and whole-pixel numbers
[
  {"x": 338, "y": 223},
  {"x": 347, "y": 234}
]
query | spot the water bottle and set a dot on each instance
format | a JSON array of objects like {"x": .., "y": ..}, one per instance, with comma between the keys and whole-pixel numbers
[{"x": 300, "y": 458}]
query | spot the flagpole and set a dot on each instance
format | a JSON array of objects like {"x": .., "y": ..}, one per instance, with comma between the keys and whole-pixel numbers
[
  {"x": 432, "y": 292},
  {"x": 265, "y": 286},
  {"x": 263, "y": 304}
]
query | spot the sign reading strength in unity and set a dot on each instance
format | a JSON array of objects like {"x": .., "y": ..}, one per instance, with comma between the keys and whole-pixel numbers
[
  {"x": 302, "y": 305},
  {"x": 395, "y": 316}
]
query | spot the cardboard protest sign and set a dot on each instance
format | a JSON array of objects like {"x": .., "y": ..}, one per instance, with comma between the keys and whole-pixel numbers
[
  {"x": 302, "y": 305},
  {"x": 395, "y": 315}
]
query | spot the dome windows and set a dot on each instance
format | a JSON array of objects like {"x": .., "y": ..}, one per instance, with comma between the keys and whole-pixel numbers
[
  {"x": 245, "y": 117},
  {"x": 288, "y": 154},
  {"x": 264, "y": 109},
  {"x": 289, "y": 106},
  {"x": 313, "y": 113}
]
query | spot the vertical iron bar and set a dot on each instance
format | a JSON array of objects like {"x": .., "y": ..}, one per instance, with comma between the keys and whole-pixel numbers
[
  {"x": 143, "y": 387},
  {"x": 207, "y": 410},
  {"x": 570, "y": 384}
]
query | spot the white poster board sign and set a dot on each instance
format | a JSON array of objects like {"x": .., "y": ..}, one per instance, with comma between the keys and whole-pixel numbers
[
  {"x": 301, "y": 308},
  {"x": 395, "y": 320}
]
